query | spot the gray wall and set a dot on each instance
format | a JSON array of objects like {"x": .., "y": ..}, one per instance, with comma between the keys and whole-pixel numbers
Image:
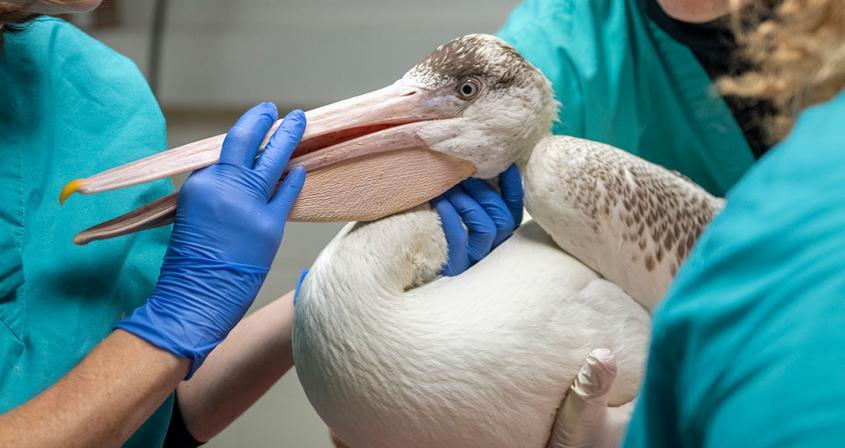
[
  {"x": 229, "y": 53},
  {"x": 222, "y": 55}
]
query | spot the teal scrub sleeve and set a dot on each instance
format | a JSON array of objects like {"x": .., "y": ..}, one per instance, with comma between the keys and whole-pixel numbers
[
  {"x": 621, "y": 80},
  {"x": 747, "y": 347},
  {"x": 69, "y": 106}
]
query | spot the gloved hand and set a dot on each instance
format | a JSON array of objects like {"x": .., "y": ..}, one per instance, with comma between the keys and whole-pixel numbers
[
  {"x": 584, "y": 418},
  {"x": 490, "y": 218},
  {"x": 229, "y": 225}
]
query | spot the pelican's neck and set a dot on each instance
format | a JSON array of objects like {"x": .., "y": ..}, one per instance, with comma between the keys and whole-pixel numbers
[
  {"x": 403, "y": 251},
  {"x": 631, "y": 221}
]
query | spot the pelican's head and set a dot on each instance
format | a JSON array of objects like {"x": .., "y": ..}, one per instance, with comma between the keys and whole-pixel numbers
[
  {"x": 470, "y": 108},
  {"x": 502, "y": 104}
]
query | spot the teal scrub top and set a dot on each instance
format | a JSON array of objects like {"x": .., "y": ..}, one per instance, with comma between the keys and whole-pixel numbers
[
  {"x": 747, "y": 348},
  {"x": 622, "y": 80},
  {"x": 69, "y": 107}
]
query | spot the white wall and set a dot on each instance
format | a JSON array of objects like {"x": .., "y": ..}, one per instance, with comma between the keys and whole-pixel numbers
[
  {"x": 223, "y": 55},
  {"x": 226, "y": 53}
]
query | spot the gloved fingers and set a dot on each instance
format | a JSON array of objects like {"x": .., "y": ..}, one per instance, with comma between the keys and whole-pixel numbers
[
  {"x": 510, "y": 182},
  {"x": 495, "y": 207},
  {"x": 596, "y": 376},
  {"x": 582, "y": 419},
  {"x": 287, "y": 193},
  {"x": 244, "y": 138},
  {"x": 456, "y": 237},
  {"x": 274, "y": 159},
  {"x": 481, "y": 231}
]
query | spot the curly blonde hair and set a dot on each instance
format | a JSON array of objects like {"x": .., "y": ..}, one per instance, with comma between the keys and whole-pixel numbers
[{"x": 797, "y": 51}]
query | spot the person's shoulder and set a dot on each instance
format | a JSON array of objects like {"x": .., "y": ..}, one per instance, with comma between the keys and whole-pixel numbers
[
  {"x": 51, "y": 34},
  {"x": 535, "y": 28},
  {"x": 563, "y": 18},
  {"x": 107, "y": 88},
  {"x": 818, "y": 137},
  {"x": 782, "y": 225},
  {"x": 793, "y": 198},
  {"x": 533, "y": 13},
  {"x": 73, "y": 52},
  {"x": 562, "y": 39},
  {"x": 806, "y": 170},
  {"x": 764, "y": 282}
]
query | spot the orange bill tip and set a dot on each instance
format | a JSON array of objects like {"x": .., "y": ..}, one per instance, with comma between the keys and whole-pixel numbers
[{"x": 70, "y": 189}]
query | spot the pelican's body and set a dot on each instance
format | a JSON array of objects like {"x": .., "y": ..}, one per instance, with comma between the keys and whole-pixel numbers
[
  {"x": 392, "y": 355},
  {"x": 480, "y": 360}
]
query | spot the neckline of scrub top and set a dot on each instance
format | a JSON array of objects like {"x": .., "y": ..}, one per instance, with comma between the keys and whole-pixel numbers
[{"x": 715, "y": 47}]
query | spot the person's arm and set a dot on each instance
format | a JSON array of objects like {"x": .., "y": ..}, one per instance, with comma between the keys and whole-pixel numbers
[
  {"x": 215, "y": 264},
  {"x": 100, "y": 402},
  {"x": 254, "y": 356}
]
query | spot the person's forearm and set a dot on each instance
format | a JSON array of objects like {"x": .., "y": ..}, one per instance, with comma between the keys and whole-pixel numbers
[
  {"x": 239, "y": 371},
  {"x": 101, "y": 402}
]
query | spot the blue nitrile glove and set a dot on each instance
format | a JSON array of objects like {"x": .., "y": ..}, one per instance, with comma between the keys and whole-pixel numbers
[
  {"x": 229, "y": 225},
  {"x": 476, "y": 218}
]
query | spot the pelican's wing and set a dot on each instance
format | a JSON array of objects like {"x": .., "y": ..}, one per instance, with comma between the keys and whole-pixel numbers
[{"x": 630, "y": 220}]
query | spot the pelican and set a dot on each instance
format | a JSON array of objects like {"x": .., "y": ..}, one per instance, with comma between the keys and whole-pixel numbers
[{"x": 389, "y": 352}]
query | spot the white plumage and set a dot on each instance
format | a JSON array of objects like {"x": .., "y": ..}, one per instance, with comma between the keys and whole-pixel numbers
[
  {"x": 479, "y": 360},
  {"x": 393, "y": 355}
]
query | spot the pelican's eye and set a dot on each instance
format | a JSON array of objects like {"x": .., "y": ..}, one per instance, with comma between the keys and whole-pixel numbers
[{"x": 469, "y": 88}]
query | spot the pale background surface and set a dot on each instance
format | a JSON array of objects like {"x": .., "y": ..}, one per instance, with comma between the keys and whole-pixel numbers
[{"x": 220, "y": 56}]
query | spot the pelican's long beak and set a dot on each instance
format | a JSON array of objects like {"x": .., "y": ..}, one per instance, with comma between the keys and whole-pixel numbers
[{"x": 364, "y": 157}]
